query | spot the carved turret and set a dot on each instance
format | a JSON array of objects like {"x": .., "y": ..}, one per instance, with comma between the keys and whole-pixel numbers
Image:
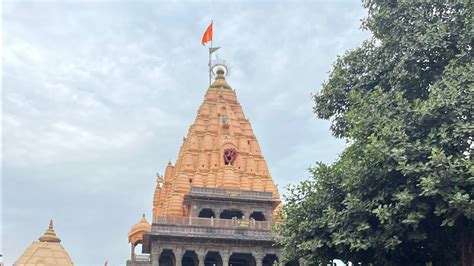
[{"x": 169, "y": 170}]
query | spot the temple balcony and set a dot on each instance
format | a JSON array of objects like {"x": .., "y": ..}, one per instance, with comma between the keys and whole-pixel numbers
[
  {"x": 140, "y": 260},
  {"x": 218, "y": 228}
]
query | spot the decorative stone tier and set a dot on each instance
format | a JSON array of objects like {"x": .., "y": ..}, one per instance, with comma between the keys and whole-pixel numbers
[
  {"x": 177, "y": 241},
  {"x": 231, "y": 194},
  {"x": 217, "y": 233},
  {"x": 203, "y": 228},
  {"x": 219, "y": 228}
]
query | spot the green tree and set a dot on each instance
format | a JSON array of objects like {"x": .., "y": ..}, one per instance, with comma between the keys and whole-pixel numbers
[{"x": 402, "y": 192}]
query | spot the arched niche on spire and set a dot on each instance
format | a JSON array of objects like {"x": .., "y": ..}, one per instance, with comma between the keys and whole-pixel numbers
[{"x": 229, "y": 152}]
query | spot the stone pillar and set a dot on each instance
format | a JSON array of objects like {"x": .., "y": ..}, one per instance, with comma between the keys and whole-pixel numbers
[
  {"x": 178, "y": 255},
  {"x": 132, "y": 255},
  {"x": 201, "y": 254},
  {"x": 155, "y": 255},
  {"x": 217, "y": 212},
  {"x": 247, "y": 213},
  {"x": 225, "y": 255},
  {"x": 258, "y": 258},
  {"x": 280, "y": 259},
  {"x": 268, "y": 216}
]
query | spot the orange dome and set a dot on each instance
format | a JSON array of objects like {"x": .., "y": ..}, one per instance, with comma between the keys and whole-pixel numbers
[{"x": 135, "y": 235}]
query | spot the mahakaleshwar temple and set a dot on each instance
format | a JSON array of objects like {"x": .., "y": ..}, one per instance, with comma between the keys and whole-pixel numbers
[{"x": 215, "y": 206}]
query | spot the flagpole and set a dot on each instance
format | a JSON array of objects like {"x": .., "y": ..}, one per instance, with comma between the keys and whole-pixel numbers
[{"x": 210, "y": 62}]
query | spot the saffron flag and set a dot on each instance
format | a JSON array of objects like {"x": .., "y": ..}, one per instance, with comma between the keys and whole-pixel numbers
[{"x": 207, "y": 35}]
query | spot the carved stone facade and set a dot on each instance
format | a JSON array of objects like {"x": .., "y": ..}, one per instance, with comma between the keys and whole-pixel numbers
[{"x": 216, "y": 206}]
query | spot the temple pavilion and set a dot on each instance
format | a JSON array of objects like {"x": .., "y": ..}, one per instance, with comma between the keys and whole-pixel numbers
[{"x": 217, "y": 204}]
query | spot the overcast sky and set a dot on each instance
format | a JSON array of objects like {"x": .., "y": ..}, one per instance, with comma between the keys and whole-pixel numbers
[{"x": 98, "y": 95}]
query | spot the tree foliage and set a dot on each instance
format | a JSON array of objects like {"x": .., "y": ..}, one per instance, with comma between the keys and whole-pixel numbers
[{"x": 402, "y": 192}]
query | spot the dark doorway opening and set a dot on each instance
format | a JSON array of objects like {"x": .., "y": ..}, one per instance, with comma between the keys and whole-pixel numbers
[
  {"x": 190, "y": 259},
  {"x": 167, "y": 258},
  {"x": 242, "y": 259},
  {"x": 206, "y": 213},
  {"x": 257, "y": 216},
  {"x": 270, "y": 260},
  {"x": 229, "y": 214},
  {"x": 213, "y": 259},
  {"x": 293, "y": 263}
]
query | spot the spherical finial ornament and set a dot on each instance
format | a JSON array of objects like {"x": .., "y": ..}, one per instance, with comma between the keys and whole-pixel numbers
[{"x": 220, "y": 71}]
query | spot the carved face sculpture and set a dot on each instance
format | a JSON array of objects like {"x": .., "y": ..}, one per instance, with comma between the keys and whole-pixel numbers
[{"x": 229, "y": 156}]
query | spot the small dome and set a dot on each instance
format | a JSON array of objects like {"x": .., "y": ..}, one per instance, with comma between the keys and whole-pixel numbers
[
  {"x": 136, "y": 232},
  {"x": 46, "y": 251}
]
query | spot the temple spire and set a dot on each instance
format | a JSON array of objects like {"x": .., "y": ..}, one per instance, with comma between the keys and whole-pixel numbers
[{"x": 220, "y": 151}]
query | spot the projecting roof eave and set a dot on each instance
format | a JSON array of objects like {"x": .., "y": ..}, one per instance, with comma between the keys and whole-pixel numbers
[
  {"x": 234, "y": 195},
  {"x": 189, "y": 197}
]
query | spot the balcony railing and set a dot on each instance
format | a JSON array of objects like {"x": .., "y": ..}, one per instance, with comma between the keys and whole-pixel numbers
[
  {"x": 214, "y": 232},
  {"x": 140, "y": 260},
  {"x": 212, "y": 222},
  {"x": 142, "y": 257}
]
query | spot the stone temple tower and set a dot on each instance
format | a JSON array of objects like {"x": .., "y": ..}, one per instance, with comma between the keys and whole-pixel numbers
[{"x": 216, "y": 205}]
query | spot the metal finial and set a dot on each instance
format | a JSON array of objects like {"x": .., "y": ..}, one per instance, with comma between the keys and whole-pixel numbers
[{"x": 49, "y": 235}]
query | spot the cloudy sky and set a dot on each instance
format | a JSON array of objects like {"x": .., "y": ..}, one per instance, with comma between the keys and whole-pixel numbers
[{"x": 98, "y": 95}]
